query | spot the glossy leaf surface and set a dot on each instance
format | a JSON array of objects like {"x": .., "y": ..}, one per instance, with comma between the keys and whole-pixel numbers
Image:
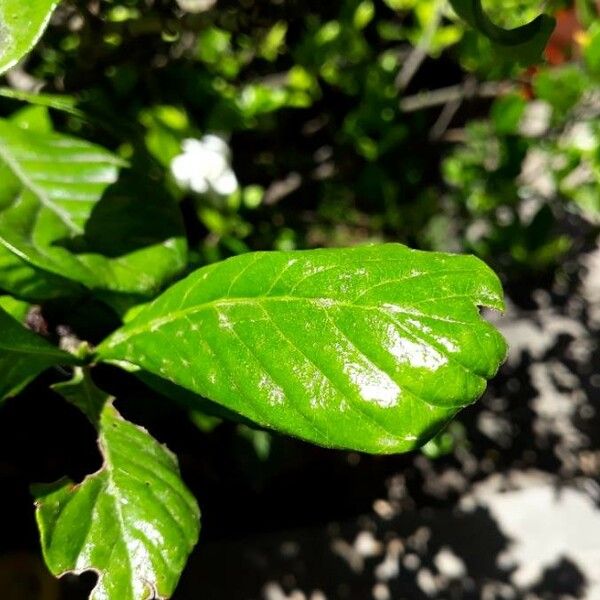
[
  {"x": 56, "y": 208},
  {"x": 24, "y": 355},
  {"x": 133, "y": 522},
  {"x": 524, "y": 44},
  {"x": 371, "y": 348},
  {"x": 21, "y": 25}
]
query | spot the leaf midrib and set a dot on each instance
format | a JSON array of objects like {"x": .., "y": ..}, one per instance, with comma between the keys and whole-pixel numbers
[
  {"x": 320, "y": 302},
  {"x": 112, "y": 490}
]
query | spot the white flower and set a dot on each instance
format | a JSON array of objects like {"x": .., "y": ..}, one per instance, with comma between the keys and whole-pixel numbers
[
  {"x": 196, "y": 6},
  {"x": 536, "y": 118},
  {"x": 205, "y": 166}
]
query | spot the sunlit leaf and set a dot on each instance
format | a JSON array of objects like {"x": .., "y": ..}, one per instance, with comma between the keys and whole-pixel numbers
[
  {"x": 19, "y": 278},
  {"x": 17, "y": 309},
  {"x": 21, "y": 25},
  {"x": 372, "y": 348},
  {"x": 133, "y": 522}
]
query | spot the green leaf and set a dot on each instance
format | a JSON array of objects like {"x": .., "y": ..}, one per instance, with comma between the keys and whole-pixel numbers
[
  {"x": 17, "y": 309},
  {"x": 81, "y": 392},
  {"x": 21, "y": 26},
  {"x": 133, "y": 522},
  {"x": 56, "y": 207},
  {"x": 562, "y": 87},
  {"x": 185, "y": 398},
  {"x": 62, "y": 103},
  {"x": 50, "y": 185},
  {"x": 24, "y": 355},
  {"x": 524, "y": 44},
  {"x": 36, "y": 118},
  {"x": 372, "y": 348},
  {"x": 20, "y": 279}
]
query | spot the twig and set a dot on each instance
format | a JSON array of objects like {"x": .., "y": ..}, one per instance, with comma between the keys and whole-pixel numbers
[
  {"x": 278, "y": 190},
  {"x": 450, "y": 109},
  {"x": 461, "y": 92},
  {"x": 419, "y": 53},
  {"x": 443, "y": 121}
]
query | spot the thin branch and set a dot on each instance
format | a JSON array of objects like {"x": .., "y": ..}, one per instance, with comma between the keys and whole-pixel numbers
[
  {"x": 419, "y": 53},
  {"x": 460, "y": 92}
]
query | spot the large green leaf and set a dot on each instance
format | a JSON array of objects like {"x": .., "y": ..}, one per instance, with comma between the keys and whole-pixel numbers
[
  {"x": 133, "y": 522},
  {"x": 372, "y": 348},
  {"x": 21, "y": 25},
  {"x": 525, "y": 43},
  {"x": 59, "y": 215},
  {"x": 24, "y": 355}
]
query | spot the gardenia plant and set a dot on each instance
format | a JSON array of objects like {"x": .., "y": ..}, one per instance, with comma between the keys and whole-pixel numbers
[{"x": 370, "y": 348}]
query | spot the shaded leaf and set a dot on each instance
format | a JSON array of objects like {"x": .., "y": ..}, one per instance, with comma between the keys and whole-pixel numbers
[
  {"x": 371, "y": 348},
  {"x": 24, "y": 355},
  {"x": 133, "y": 522},
  {"x": 524, "y": 44},
  {"x": 56, "y": 207},
  {"x": 22, "y": 280},
  {"x": 21, "y": 26}
]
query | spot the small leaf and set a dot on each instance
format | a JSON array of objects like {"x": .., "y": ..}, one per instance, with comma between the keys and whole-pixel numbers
[
  {"x": 24, "y": 355},
  {"x": 371, "y": 348},
  {"x": 21, "y": 26},
  {"x": 133, "y": 522},
  {"x": 524, "y": 44},
  {"x": 56, "y": 207}
]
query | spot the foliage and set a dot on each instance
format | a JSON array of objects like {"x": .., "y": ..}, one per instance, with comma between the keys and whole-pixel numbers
[
  {"x": 515, "y": 173},
  {"x": 344, "y": 348},
  {"x": 524, "y": 43},
  {"x": 23, "y": 355},
  {"x": 173, "y": 135},
  {"x": 133, "y": 522}
]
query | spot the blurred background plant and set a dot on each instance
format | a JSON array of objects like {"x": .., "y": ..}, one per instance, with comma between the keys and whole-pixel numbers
[{"x": 358, "y": 121}]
